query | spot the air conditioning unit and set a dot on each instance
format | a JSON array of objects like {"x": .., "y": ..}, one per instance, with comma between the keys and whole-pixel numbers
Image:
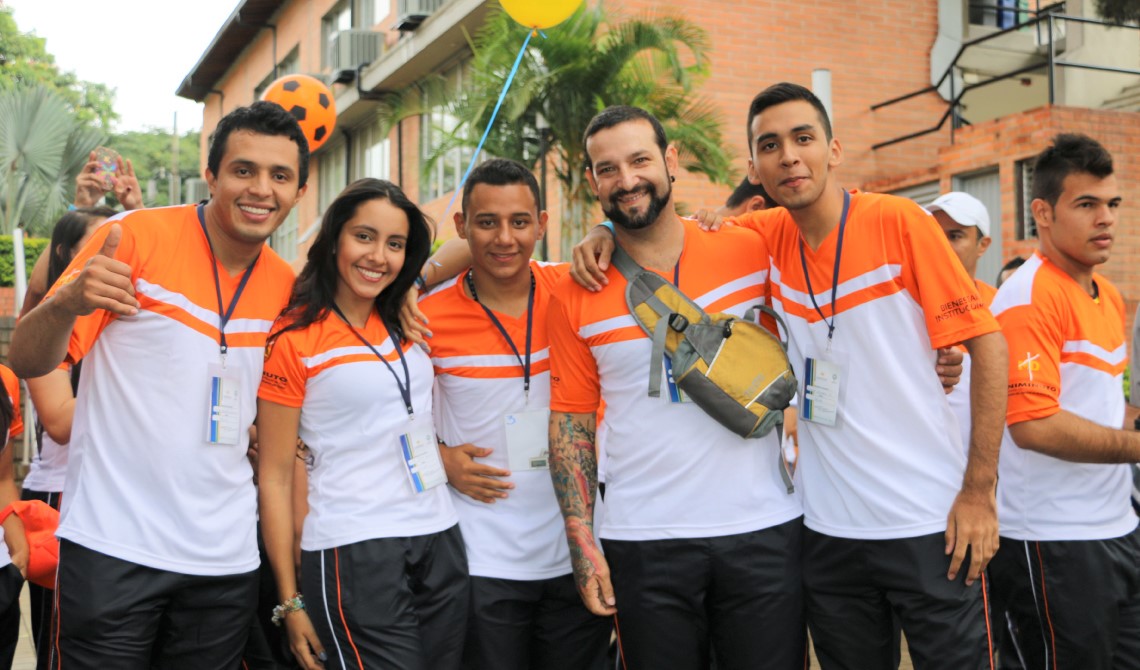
[
  {"x": 352, "y": 48},
  {"x": 196, "y": 191},
  {"x": 411, "y": 13}
]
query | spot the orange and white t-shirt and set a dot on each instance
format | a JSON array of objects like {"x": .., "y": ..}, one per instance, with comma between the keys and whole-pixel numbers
[
  {"x": 352, "y": 418},
  {"x": 15, "y": 428},
  {"x": 893, "y": 463},
  {"x": 672, "y": 471},
  {"x": 48, "y": 470},
  {"x": 478, "y": 383},
  {"x": 143, "y": 483},
  {"x": 959, "y": 397},
  {"x": 1066, "y": 352}
]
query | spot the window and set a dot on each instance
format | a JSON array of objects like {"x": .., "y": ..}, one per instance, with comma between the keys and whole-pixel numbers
[
  {"x": 332, "y": 177},
  {"x": 923, "y": 193},
  {"x": 985, "y": 185},
  {"x": 372, "y": 152},
  {"x": 340, "y": 18},
  {"x": 290, "y": 64},
  {"x": 993, "y": 13},
  {"x": 443, "y": 167},
  {"x": 1026, "y": 226},
  {"x": 284, "y": 239}
]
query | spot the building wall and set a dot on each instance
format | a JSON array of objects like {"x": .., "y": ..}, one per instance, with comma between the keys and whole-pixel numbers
[
  {"x": 1003, "y": 142},
  {"x": 756, "y": 44},
  {"x": 874, "y": 53}
]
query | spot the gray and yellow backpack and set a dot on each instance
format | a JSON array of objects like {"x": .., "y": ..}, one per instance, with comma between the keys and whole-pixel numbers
[{"x": 731, "y": 367}]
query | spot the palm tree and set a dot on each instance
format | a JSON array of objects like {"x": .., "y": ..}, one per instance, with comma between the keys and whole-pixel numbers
[
  {"x": 582, "y": 66},
  {"x": 42, "y": 149}
]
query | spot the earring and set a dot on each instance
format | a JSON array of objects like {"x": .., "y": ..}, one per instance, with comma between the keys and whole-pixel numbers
[{"x": 672, "y": 179}]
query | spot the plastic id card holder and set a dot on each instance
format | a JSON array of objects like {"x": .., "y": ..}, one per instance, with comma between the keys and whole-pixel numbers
[
  {"x": 223, "y": 425},
  {"x": 528, "y": 439},
  {"x": 822, "y": 393},
  {"x": 420, "y": 451},
  {"x": 675, "y": 392}
]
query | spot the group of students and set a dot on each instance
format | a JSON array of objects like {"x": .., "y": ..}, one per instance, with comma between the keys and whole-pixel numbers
[{"x": 429, "y": 475}]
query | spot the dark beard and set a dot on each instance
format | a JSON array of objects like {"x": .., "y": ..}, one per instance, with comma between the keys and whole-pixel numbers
[{"x": 638, "y": 221}]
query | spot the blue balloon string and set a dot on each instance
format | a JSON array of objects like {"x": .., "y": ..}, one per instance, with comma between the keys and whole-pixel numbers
[{"x": 490, "y": 124}]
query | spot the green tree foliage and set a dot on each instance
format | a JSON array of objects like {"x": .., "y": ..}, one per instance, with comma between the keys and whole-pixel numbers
[
  {"x": 42, "y": 149},
  {"x": 1119, "y": 11},
  {"x": 576, "y": 70},
  {"x": 151, "y": 152},
  {"x": 26, "y": 62},
  {"x": 33, "y": 247}
]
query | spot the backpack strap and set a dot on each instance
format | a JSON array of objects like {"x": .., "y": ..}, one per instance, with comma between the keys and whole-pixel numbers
[
  {"x": 753, "y": 316},
  {"x": 631, "y": 270},
  {"x": 628, "y": 267}
]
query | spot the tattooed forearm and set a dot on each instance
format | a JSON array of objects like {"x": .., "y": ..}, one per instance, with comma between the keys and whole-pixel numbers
[{"x": 574, "y": 469}]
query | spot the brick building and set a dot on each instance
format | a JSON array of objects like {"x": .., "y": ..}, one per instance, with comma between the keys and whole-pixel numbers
[{"x": 1028, "y": 71}]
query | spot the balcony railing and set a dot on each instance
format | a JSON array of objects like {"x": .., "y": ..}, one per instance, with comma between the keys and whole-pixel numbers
[{"x": 1049, "y": 24}]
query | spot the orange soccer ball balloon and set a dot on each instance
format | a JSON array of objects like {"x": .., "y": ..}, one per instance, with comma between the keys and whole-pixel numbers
[{"x": 310, "y": 102}]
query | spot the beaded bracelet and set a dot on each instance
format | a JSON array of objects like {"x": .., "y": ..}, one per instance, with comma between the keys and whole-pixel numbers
[{"x": 294, "y": 604}]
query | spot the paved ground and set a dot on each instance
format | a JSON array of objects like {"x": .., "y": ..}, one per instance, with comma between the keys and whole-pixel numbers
[{"x": 25, "y": 651}]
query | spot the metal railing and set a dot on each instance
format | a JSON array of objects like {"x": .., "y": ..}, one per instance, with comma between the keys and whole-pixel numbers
[{"x": 1042, "y": 19}]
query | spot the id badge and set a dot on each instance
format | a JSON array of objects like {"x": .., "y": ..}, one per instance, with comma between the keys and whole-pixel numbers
[
  {"x": 223, "y": 425},
  {"x": 528, "y": 439},
  {"x": 821, "y": 399},
  {"x": 420, "y": 451},
  {"x": 675, "y": 392}
]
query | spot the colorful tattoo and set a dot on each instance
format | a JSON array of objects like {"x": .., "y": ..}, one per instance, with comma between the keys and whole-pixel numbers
[{"x": 574, "y": 469}]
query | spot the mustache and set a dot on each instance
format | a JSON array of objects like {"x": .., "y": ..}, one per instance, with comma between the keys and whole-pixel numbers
[{"x": 644, "y": 188}]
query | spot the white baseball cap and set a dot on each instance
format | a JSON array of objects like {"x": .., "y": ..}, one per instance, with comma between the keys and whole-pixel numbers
[{"x": 965, "y": 209}]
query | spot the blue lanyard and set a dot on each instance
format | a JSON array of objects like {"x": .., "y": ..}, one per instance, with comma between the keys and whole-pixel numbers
[
  {"x": 406, "y": 386},
  {"x": 495, "y": 320},
  {"x": 224, "y": 314},
  {"x": 835, "y": 272}
]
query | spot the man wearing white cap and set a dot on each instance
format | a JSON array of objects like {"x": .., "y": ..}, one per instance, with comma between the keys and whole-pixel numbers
[{"x": 966, "y": 223}]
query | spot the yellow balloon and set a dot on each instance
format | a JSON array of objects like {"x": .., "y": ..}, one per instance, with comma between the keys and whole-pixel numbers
[{"x": 540, "y": 13}]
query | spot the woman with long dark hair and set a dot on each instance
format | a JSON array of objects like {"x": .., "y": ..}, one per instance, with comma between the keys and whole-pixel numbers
[
  {"x": 383, "y": 578},
  {"x": 53, "y": 396}
]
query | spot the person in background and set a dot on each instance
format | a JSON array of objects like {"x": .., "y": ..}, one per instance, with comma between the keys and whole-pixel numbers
[
  {"x": 966, "y": 223},
  {"x": 1068, "y": 572},
  {"x": 53, "y": 397},
  {"x": 1008, "y": 269},
  {"x": 89, "y": 192},
  {"x": 13, "y": 543},
  {"x": 746, "y": 197}
]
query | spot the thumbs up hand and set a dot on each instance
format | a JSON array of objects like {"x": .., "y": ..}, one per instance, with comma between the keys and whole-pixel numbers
[{"x": 103, "y": 283}]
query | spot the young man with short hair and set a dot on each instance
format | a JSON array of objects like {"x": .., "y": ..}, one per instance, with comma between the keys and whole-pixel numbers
[
  {"x": 169, "y": 308},
  {"x": 492, "y": 363},
  {"x": 900, "y": 516},
  {"x": 701, "y": 535},
  {"x": 1068, "y": 571},
  {"x": 966, "y": 224}
]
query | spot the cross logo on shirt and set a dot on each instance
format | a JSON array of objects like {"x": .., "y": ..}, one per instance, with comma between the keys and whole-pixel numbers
[{"x": 1030, "y": 363}]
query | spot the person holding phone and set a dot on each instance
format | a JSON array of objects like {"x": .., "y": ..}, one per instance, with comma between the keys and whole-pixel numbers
[{"x": 383, "y": 570}]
